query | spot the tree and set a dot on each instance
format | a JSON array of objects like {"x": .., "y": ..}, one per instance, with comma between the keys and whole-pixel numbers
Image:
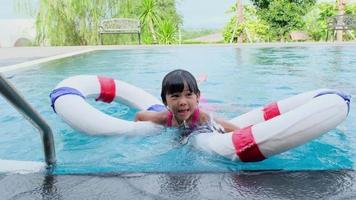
[
  {"x": 255, "y": 29},
  {"x": 341, "y": 11},
  {"x": 240, "y": 18},
  {"x": 316, "y": 20},
  {"x": 283, "y": 16},
  {"x": 264, "y": 4},
  {"x": 71, "y": 22}
]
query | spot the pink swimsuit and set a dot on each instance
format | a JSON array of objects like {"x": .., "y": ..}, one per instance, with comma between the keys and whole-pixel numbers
[{"x": 195, "y": 118}]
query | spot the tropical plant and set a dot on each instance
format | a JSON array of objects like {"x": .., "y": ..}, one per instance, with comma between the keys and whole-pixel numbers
[
  {"x": 160, "y": 19},
  {"x": 167, "y": 32},
  {"x": 150, "y": 16}
]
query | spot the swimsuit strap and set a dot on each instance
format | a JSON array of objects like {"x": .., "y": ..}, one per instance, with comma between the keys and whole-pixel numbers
[
  {"x": 195, "y": 118},
  {"x": 169, "y": 119}
]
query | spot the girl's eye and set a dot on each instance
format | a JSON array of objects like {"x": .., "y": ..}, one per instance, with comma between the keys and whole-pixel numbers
[
  {"x": 189, "y": 94},
  {"x": 174, "y": 95}
]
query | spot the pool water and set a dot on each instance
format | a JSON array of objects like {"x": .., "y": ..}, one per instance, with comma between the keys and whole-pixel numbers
[{"x": 239, "y": 79}]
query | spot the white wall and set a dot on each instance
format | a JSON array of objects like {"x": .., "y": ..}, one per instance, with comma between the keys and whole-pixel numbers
[{"x": 13, "y": 29}]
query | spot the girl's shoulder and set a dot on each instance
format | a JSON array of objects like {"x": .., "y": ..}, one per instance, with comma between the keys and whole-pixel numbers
[
  {"x": 158, "y": 117},
  {"x": 204, "y": 116}
]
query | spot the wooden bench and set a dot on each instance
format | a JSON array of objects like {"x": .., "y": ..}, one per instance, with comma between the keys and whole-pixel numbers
[
  {"x": 298, "y": 36},
  {"x": 340, "y": 22},
  {"x": 120, "y": 26}
]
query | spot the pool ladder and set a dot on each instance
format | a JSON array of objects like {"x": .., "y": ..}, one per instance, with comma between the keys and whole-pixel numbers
[{"x": 10, "y": 93}]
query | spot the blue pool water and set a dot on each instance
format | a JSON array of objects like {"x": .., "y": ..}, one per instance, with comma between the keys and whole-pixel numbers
[{"x": 239, "y": 79}]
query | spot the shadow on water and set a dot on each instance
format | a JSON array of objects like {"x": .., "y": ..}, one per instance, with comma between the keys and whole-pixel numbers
[{"x": 242, "y": 185}]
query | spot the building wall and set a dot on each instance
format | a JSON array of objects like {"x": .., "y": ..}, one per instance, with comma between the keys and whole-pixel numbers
[{"x": 13, "y": 29}]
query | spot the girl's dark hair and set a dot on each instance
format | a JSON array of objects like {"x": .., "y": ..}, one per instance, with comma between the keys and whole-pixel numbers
[{"x": 174, "y": 82}]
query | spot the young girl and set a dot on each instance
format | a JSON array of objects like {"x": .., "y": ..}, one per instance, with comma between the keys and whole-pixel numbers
[{"x": 180, "y": 94}]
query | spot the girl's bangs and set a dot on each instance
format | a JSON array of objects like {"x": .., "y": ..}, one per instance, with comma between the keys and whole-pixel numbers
[{"x": 175, "y": 85}]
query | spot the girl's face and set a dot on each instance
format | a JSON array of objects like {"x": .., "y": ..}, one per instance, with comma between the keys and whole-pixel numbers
[{"x": 182, "y": 104}]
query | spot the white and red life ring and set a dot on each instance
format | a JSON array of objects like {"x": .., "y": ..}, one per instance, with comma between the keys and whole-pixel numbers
[
  {"x": 266, "y": 131},
  {"x": 279, "y": 126},
  {"x": 68, "y": 101}
]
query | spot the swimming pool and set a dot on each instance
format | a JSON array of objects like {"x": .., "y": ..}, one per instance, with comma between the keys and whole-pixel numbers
[{"x": 239, "y": 79}]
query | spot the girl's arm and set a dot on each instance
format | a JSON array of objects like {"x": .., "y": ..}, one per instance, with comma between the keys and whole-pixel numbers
[
  {"x": 228, "y": 126},
  {"x": 155, "y": 117}
]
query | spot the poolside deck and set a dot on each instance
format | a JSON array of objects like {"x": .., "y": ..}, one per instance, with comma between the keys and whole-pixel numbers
[
  {"x": 26, "y": 56},
  {"x": 10, "y": 56},
  {"x": 326, "y": 184},
  {"x": 243, "y": 185}
]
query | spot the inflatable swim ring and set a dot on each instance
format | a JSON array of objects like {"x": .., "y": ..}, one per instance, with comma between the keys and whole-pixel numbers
[
  {"x": 266, "y": 131},
  {"x": 69, "y": 102},
  {"x": 279, "y": 126}
]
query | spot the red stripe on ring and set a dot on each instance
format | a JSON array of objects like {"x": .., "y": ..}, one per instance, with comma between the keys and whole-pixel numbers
[
  {"x": 245, "y": 145},
  {"x": 107, "y": 89},
  {"x": 271, "y": 110}
]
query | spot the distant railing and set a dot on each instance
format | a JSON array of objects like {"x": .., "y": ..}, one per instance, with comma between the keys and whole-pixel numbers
[
  {"x": 120, "y": 26},
  {"x": 10, "y": 93},
  {"x": 340, "y": 22}
]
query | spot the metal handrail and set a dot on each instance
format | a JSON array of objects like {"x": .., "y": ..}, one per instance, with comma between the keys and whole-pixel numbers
[{"x": 10, "y": 93}]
